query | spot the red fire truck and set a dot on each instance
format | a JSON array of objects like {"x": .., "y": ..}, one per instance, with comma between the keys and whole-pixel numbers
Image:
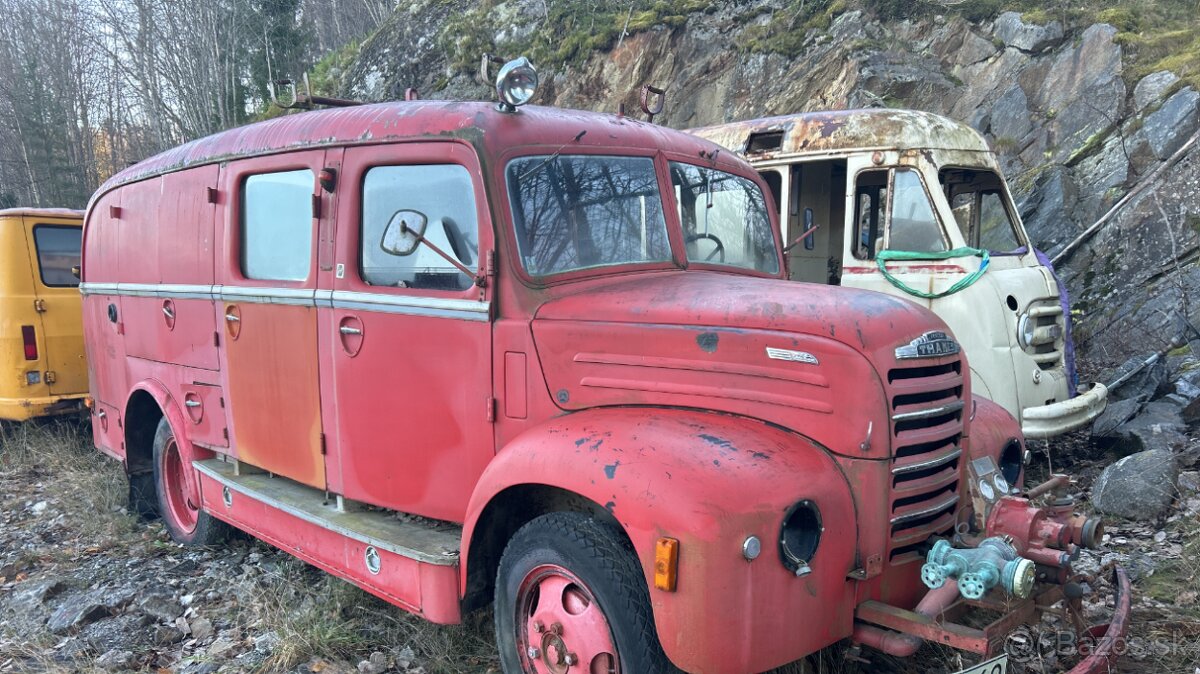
[{"x": 458, "y": 353}]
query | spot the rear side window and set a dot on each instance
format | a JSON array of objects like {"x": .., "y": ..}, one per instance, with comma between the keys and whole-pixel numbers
[
  {"x": 437, "y": 200},
  {"x": 57, "y": 252},
  {"x": 277, "y": 225}
]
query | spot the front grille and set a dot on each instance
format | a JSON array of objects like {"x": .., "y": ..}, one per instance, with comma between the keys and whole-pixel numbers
[
  {"x": 1048, "y": 313},
  {"x": 927, "y": 410}
]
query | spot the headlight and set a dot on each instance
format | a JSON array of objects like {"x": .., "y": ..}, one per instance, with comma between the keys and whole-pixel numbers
[
  {"x": 1025, "y": 329},
  {"x": 1012, "y": 462},
  {"x": 516, "y": 83},
  {"x": 799, "y": 537}
]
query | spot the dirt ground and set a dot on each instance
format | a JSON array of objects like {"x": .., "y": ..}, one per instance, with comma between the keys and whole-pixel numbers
[{"x": 86, "y": 587}]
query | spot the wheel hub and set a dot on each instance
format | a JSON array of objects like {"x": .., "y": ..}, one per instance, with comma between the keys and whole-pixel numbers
[{"x": 561, "y": 627}]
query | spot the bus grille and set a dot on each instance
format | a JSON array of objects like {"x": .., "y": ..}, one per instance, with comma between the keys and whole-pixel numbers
[
  {"x": 1048, "y": 313},
  {"x": 927, "y": 424}
]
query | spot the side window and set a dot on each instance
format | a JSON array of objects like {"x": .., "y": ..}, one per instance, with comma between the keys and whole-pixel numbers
[
  {"x": 870, "y": 199},
  {"x": 277, "y": 225},
  {"x": 57, "y": 252},
  {"x": 438, "y": 197},
  {"x": 913, "y": 224}
]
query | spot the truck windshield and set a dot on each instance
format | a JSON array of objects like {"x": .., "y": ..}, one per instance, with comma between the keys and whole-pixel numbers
[
  {"x": 979, "y": 202},
  {"x": 724, "y": 219},
  {"x": 582, "y": 211}
]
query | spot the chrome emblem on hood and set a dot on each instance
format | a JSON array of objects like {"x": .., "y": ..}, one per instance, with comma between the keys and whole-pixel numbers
[
  {"x": 793, "y": 356},
  {"x": 933, "y": 344}
]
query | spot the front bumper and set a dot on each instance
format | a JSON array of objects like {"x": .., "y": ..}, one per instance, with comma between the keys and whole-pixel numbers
[{"x": 1048, "y": 421}]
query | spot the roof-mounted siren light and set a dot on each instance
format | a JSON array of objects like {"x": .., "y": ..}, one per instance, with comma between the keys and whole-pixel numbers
[{"x": 516, "y": 83}]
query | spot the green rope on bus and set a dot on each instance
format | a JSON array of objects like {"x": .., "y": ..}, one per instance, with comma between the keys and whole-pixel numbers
[{"x": 882, "y": 257}]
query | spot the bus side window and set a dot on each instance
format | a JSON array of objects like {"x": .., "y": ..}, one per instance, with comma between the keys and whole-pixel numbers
[{"x": 870, "y": 198}]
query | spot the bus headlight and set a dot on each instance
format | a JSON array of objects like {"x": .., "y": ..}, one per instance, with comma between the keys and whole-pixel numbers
[
  {"x": 1025, "y": 329},
  {"x": 516, "y": 83}
]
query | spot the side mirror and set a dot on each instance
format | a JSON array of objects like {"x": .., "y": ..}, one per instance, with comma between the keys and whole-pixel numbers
[
  {"x": 404, "y": 232},
  {"x": 77, "y": 272}
]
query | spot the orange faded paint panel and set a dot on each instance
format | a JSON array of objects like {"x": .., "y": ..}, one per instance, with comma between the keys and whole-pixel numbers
[{"x": 274, "y": 392}]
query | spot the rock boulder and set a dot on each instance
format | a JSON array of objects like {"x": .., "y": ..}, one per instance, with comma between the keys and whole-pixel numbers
[{"x": 1138, "y": 487}]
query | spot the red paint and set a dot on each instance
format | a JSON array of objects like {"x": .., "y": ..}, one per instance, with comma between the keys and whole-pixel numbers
[{"x": 697, "y": 403}]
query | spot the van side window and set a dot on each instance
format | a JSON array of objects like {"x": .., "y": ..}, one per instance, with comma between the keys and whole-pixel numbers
[
  {"x": 277, "y": 225},
  {"x": 870, "y": 199},
  {"x": 913, "y": 225},
  {"x": 57, "y": 252},
  {"x": 440, "y": 194}
]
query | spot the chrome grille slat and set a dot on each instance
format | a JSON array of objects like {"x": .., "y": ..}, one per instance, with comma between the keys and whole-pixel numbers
[
  {"x": 927, "y": 412},
  {"x": 901, "y": 469}
]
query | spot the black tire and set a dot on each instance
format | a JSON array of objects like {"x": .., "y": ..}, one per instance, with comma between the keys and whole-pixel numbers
[
  {"x": 143, "y": 496},
  {"x": 208, "y": 530},
  {"x": 600, "y": 556}
]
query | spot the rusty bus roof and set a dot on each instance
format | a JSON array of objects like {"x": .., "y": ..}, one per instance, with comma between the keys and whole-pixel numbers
[
  {"x": 62, "y": 213},
  {"x": 847, "y": 130},
  {"x": 476, "y": 122}
]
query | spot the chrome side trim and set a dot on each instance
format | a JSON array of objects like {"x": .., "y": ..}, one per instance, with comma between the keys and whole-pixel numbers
[
  {"x": 471, "y": 310},
  {"x": 937, "y": 507},
  {"x": 932, "y": 463},
  {"x": 938, "y": 411},
  {"x": 437, "y": 307}
]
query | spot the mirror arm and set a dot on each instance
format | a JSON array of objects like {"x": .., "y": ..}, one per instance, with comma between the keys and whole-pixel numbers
[
  {"x": 800, "y": 239},
  {"x": 479, "y": 280}
]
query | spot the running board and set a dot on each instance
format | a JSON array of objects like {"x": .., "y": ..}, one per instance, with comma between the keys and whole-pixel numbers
[{"x": 410, "y": 564}]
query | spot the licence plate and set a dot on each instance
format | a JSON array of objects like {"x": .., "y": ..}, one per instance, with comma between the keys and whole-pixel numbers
[{"x": 994, "y": 666}]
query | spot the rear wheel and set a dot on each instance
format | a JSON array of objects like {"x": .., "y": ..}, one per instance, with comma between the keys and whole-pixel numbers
[
  {"x": 571, "y": 597},
  {"x": 178, "y": 502}
]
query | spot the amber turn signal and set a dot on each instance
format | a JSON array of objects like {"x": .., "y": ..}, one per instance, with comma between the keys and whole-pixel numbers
[{"x": 666, "y": 564}]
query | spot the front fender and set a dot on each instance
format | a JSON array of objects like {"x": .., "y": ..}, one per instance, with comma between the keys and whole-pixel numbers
[{"x": 710, "y": 481}]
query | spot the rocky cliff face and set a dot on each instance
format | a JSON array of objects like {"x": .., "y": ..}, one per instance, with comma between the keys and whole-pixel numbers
[{"x": 1075, "y": 132}]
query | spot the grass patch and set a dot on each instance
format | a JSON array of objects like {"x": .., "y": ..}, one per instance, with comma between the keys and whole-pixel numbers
[
  {"x": 88, "y": 487},
  {"x": 569, "y": 32},
  {"x": 318, "y": 616}
]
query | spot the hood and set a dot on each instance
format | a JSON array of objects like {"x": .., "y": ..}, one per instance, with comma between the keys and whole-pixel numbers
[
  {"x": 807, "y": 357},
  {"x": 863, "y": 320}
]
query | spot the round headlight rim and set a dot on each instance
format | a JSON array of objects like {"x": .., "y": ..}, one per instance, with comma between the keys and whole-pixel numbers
[
  {"x": 1025, "y": 323},
  {"x": 506, "y": 76},
  {"x": 815, "y": 528}
]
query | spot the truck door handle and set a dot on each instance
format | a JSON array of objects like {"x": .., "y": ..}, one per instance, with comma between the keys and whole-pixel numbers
[
  {"x": 168, "y": 312},
  {"x": 232, "y": 318},
  {"x": 348, "y": 330},
  {"x": 192, "y": 403}
]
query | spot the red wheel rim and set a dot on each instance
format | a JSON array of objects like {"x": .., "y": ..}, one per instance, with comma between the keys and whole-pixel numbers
[
  {"x": 182, "y": 504},
  {"x": 560, "y": 626}
]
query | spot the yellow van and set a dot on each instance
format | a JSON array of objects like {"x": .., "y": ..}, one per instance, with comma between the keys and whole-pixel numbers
[{"x": 42, "y": 367}]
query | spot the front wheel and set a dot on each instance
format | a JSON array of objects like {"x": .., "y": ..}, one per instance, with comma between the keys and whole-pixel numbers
[
  {"x": 178, "y": 502},
  {"x": 571, "y": 597}
]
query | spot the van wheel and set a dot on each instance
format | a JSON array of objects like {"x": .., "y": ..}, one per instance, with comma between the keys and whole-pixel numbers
[
  {"x": 571, "y": 596},
  {"x": 178, "y": 504}
]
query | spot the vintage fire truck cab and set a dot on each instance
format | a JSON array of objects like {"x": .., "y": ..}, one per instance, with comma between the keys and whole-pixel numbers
[
  {"x": 915, "y": 205},
  {"x": 457, "y": 353}
]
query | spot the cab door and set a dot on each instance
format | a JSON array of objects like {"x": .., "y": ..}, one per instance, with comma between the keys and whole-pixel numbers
[
  {"x": 266, "y": 305},
  {"x": 409, "y": 329},
  {"x": 54, "y": 247}
]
